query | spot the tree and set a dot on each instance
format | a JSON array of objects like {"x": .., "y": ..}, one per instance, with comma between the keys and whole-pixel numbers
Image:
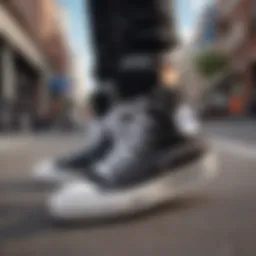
[{"x": 210, "y": 63}]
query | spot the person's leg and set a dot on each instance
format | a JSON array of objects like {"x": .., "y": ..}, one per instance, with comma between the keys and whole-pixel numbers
[
  {"x": 147, "y": 34},
  {"x": 129, "y": 38},
  {"x": 104, "y": 35}
]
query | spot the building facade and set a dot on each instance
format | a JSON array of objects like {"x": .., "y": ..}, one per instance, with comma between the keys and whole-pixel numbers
[
  {"x": 203, "y": 38},
  {"x": 206, "y": 30},
  {"x": 32, "y": 50},
  {"x": 236, "y": 29}
]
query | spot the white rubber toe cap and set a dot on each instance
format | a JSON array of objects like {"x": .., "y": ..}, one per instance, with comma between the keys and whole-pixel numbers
[
  {"x": 74, "y": 201},
  {"x": 81, "y": 200},
  {"x": 48, "y": 172}
]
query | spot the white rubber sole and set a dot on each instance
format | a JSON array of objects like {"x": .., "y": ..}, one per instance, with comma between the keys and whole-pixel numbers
[{"x": 81, "y": 200}]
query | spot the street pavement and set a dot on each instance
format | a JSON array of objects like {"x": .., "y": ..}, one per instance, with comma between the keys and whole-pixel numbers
[
  {"x": 220, "y": 219},
  {"x": 242, "y": 130}
]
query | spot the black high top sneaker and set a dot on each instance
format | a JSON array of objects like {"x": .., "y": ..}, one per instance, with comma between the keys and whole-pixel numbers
[
  {"x": 97, "y": 139},
  {"x": 156, "y": 152},
  {"x": 157, "y": 156}
]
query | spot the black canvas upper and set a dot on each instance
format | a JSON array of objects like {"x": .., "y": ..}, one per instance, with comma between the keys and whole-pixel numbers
[
  {"x": 137, "y": 139},
  {"x": 146, "y": 144}
]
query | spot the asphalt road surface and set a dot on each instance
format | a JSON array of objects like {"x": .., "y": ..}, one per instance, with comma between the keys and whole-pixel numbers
[{"x": 218, "y": 220}]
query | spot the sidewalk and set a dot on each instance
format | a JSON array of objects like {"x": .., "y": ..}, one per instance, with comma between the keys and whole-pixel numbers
[
  {"x": 233, "y": 129},
  {"x": 8, "y": 143}
]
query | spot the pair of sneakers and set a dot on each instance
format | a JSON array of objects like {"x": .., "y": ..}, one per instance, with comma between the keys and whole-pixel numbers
[{"x": 144, "y": 152}]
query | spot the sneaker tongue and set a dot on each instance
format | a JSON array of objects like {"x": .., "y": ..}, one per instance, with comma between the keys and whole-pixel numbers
[{"x": 165, "y": 98}]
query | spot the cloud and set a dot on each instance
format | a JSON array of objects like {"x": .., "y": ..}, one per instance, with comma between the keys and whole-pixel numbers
[
  {"x": 187, "y": 34},
  {"x": 197, "y": 5}
]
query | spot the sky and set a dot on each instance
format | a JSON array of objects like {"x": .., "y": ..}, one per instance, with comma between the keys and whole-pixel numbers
[
  {"x": 79, "y": 36},
  {"x": 186, "y": 14}
]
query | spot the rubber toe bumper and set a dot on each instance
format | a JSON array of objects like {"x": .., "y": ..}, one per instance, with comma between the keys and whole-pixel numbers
[
  {"x": 48, "y": 172},
  {"x": 82, "y": 200}
]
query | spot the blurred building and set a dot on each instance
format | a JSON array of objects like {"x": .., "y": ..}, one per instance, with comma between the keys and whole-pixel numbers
[
  {"x": 190, "y": 81},
  {"x": 183, "y": 57},
  {"x": 205, "y": 33},
  {"x": 236, "y": 36},
  {"x": 33, "y": 49},
  {"x": 54, "y": 35}
]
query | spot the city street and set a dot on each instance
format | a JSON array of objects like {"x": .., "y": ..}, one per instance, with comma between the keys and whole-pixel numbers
[{"x": 217, "y": 220}]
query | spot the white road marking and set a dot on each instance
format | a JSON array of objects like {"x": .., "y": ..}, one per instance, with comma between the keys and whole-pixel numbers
[{"x": 238, "y": 148}]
